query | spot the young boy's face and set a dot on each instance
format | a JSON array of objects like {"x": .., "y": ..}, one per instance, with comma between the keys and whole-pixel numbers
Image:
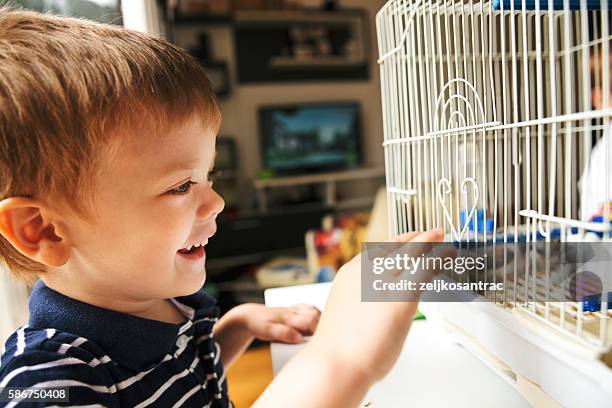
[
  {"x": 154, "y": 200},
  {"x": 598, "y": 89}
]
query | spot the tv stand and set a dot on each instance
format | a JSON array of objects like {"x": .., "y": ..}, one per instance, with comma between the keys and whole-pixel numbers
[{"x": 329, "y": 179}]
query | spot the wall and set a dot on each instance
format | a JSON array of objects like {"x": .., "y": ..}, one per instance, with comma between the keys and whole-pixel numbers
[
  {"x": 240, "y": 108},
  {"x": 13, "y": 304}
]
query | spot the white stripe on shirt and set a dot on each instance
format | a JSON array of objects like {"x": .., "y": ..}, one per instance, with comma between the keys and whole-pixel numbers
[
  {"x": 182, "y": 343},
  {"x": 96, "y": 362},
  {"x": 185, "y": 397},
  {"x": 164, "y": 387},
  {"x": 188, "y": 311},
  {"x": 76, "y": 343},
  {"x": 56, "y": 363},
  {"x": 203, "y": 338},
  {"x": 185, "y": 327},
  {"x": 129, "y": 381},
  {"x": 206, "y": 319},
  {"x": 218, "y": 353},
  {"x": 80, "y": 406},
  {"x": 20, "y": 340},
  {"x": 74, "y": 383}
]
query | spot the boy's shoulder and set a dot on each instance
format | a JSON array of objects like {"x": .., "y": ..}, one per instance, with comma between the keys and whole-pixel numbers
[
  {"x": 99, "y": 353},
  {"x": 28, "y": 345},
  {"x": 46, "y": 358}
]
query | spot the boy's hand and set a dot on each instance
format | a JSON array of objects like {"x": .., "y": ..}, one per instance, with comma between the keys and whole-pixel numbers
[
  {"x": 355, "y": 345},
  {"x": 279, "y": 324},
  {"x": 239, "y": 326},
  {"x": 373, "y": 331}
]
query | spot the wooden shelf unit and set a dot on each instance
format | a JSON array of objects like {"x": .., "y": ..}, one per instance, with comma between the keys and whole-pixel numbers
[{"x": 329, "y": 179}]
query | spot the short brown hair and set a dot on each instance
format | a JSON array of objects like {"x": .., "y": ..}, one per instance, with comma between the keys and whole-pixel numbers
[{"x": 67, "y": 85}]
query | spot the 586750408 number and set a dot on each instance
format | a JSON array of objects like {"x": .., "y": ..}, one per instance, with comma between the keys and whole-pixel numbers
[{"x": 18, "y": 394}]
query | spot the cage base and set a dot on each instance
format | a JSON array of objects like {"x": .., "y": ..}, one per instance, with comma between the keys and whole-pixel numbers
[{"x": 547, "y": 373}]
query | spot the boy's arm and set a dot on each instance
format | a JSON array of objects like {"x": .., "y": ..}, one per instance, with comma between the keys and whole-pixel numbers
[
  {"x": 355, "y": 345},
  {"x": 232, "y": 335},
  {"x": 314, "y": 379},
  {"x": 242, "y": 324}
]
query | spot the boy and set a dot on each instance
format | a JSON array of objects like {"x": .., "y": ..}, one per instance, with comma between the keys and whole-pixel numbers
[
  {"x": 596, "y": 173},
  {"x": 106, "y": 152}
]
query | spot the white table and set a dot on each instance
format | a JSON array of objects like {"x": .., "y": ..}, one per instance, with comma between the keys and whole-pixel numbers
[{"x": 432, "y": 370}]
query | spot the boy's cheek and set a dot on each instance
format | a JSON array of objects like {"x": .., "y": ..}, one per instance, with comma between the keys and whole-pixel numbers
[{"x": 171, "y": 218}]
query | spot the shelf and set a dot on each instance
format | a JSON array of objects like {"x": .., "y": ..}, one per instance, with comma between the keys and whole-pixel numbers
[
  {"x": 316, "y": 61},
  {"x": 216, "y": 264},
  {"x": 342, "y": 16},
  {"x": 301, "y": 45},
  {"x": 345, "y": 175},
  {"x": 216, "y": 19},
  {"x": 270, "y": 16},
  {"x": 329, "y": 179}
]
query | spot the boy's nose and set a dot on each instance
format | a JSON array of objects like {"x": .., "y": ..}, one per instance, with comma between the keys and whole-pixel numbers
[{"x": 212, "y": 204}]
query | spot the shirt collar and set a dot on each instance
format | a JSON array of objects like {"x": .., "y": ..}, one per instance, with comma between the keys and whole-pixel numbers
[{"x": 134, "y": 342}]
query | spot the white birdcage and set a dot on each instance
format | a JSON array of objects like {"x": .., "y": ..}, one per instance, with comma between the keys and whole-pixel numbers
[{"x": 497, "y": 128}]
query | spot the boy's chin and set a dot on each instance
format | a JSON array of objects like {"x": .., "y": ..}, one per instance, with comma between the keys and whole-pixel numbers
[
  {"x": 190, "y": 275},
  {"x": 190, "y": 285}
]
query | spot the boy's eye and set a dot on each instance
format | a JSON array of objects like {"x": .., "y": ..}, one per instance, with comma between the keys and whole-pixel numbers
[{"x": 183, "y": 188}]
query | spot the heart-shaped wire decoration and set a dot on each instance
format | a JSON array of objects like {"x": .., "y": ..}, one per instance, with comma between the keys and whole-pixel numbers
[{"x": 445, "y": 188}]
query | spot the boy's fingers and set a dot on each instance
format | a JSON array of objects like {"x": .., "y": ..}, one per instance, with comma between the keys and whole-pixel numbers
[
  {"x": 309, "y": 311},
  {"x": 382, "y": 249},
  {"x": 407, "y": 242},
  {"x": 433, "y": 235},
  {"x": 303, "y": 307},
  {"x": 286, "y": 334},
  {"x": 313, "y": 314},
  {"x": 303, "y": 322},
  {"x": 405, "y": 237},
  {"x": 422, "y": 243},
  {"x": 436, "y": 234}
]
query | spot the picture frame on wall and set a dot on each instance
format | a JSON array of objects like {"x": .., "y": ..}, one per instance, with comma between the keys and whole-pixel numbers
[{"x": 226, "y": 158}]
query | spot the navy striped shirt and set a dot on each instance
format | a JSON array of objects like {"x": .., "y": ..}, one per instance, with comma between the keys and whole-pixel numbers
[{"x": 112, "y": 359}]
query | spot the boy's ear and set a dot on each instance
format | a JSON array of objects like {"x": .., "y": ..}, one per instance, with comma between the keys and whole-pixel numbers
[{"x": 25, "y": 223}]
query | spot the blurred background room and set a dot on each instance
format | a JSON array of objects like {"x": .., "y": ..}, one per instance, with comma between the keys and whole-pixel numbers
[{"x": 299, "y": 152}]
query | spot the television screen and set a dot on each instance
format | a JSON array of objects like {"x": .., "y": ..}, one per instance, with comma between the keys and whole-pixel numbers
[{"x": 310, "y": 137}]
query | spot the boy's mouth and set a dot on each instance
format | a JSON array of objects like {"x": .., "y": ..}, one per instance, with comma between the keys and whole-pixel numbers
[{"x": 193, "y": 252}]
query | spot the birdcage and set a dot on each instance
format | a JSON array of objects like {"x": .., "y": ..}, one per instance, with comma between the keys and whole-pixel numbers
[{"x": 497, "y": 128}]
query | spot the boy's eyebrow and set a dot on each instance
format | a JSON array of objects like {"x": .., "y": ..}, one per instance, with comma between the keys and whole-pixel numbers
[
  {"x": 183, "y": 164},
  {"x": 179, "y": 165}
]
